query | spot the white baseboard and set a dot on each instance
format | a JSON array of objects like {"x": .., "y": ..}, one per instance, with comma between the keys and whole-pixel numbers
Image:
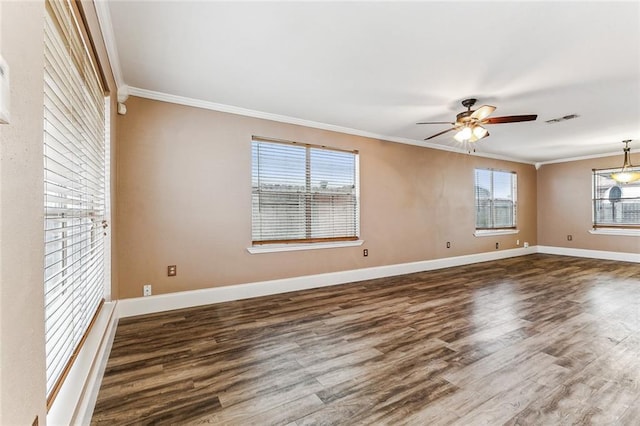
[
  {"x": 77, "y": 397},
  {"x": 593, "y": 254},
  {"x": 185, "y": 299},
  {"x": 88, "y": 403}
]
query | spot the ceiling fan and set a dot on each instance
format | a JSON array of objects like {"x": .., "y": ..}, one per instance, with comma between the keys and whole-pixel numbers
[{"x": 469, "y": 123}]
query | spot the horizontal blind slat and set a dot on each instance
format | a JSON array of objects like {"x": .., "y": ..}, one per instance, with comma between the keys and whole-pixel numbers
[{"x": 74, "y": 182}]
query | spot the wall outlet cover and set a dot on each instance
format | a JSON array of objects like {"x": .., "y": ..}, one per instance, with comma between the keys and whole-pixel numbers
[{"x": 172, "y": 270}]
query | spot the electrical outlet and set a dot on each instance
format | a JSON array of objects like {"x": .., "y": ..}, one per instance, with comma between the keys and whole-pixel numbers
[
  {"x": 172, "y": 270},
  {"x": 497, "y": 246},
  {"x": 146, "y": 290},
  {"x": 365, "y": 252},
  {"x": 517, "y": 242},
  {"x": 448, "y": 244}
]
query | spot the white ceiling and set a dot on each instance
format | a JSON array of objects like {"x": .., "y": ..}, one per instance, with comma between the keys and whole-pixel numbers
[{"x": 380, "y": 67}]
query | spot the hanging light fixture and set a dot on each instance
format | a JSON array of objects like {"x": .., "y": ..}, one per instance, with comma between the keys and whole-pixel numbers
[
  {"x": 626, "y": 175},
  {"x": 471, "y": 133}
]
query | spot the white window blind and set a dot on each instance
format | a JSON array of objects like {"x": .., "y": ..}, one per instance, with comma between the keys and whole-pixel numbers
[
  {"x": 74, "y": 197},
  {"x": 615, "y": 205},
  {"x": 495, "y": 193},
  {"x": 303, "y": 193}
]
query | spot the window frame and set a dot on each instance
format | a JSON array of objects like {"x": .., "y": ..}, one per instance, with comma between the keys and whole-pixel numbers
[
  {"x": 288, "y": 244},
  {"x": 493, "y": 230},
  {"x": 604, "y": 226}
]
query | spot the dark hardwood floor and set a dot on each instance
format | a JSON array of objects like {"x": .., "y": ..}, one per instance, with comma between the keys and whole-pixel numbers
[{"x": 532, "y": 340}]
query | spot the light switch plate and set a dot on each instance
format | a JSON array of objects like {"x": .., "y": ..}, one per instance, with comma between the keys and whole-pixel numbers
[{"x": 4, "y": 91}]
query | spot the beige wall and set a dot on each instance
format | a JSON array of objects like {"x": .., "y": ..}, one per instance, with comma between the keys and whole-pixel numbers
[
  {"x": 22, "y": 370},
  {"x": 184, "y": 198},
  {"x": 564, "y": 207}
]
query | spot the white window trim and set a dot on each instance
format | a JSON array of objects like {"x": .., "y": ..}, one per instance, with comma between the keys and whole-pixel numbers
[
  {"x": 491, "y": 232},
  {"x": 274, "y": 248},
  {"x": 616, "y": 231}
]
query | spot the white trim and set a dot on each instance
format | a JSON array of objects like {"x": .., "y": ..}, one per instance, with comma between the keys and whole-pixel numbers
[
  {"x": 76, "y": 399},
  {"x": 123, "y": 94},
  {"x": 584, "y": 157},
  {"x": 198, "y": 103},
  {"x": 185, "y": 299},
  {"x": 593, "y": 254},
  {"x": 106, "y": 27},
  {"x": 616, "y": 231},
  {"x": 274, "y": 248},
  {"x": 492, "y": 232}
]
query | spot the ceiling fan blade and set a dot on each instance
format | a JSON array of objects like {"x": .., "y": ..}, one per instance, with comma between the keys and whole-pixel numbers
[
  {"x": 510, "y": 119},
  {"x": 483, "y": 112},
  {"x": 441, "y": 133},
  {"x": 436, "y": 122}
]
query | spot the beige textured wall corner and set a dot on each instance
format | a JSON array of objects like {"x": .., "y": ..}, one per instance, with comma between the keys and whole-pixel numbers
[
  {"x": 22, "y": 361},
  {"x": 565, "y": 208},
  {"x": 184, "y": 198}
]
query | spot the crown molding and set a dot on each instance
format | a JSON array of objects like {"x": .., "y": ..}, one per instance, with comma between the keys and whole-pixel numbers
[
  {"x": 106, "y": 27},
  {"x": 584, "y": 157},
  {"x": 198, "y": 103}
]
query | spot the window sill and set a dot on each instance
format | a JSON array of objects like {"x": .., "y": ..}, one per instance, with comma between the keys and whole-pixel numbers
[
  {"x": 274, "y": 248},
  {"x": 492, "y": 232},
  {"x": 616, "y": 231}
]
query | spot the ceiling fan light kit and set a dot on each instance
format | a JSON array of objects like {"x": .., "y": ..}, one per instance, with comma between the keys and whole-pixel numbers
[
  {"x": 626, "y": 175},
  {"x": 470, "y": 123},
  {"x": 471, "y": 133}
]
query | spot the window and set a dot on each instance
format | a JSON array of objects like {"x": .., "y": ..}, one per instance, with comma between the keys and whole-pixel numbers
[
  {"x": 74, "y": 190},
  {"x": 615, "y": 205},
  {"x": 495, "y": 199},
  {"x": 303, "y": 193}
]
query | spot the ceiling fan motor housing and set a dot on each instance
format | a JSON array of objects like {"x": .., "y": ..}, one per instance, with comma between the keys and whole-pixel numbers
[{"x": 464, "y": 117}]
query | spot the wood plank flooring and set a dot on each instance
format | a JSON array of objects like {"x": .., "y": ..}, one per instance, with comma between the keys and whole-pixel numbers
[{"x": 532, "y": 340}]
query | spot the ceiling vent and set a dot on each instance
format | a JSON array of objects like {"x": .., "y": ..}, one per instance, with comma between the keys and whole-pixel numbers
[{"x": 565, "y": 118}]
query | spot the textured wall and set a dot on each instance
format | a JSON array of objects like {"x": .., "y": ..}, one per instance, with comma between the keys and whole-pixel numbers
[
  {"x": 22, "y": 366},
  {"x": 184, "y": 198},
  {"x": 565, "y": 208}
]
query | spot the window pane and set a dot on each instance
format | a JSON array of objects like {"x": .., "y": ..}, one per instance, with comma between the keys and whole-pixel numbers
[
  {"x": 495, "y": 194},
  {"x": 302, "y": 193},
  {"x": 74, "y": 191},
  {"x": 615, "y": 204}
]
